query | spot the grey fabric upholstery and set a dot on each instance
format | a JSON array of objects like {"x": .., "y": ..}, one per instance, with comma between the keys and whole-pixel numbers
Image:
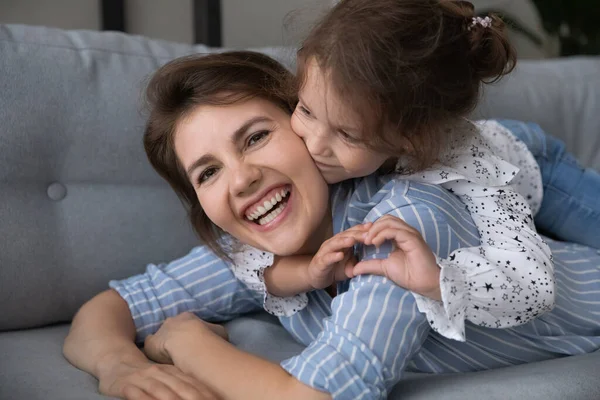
[
  {"x": 561, "y": 95},
  {"x": 33, "y": 369},
  {"x": 80, "y": 205}
]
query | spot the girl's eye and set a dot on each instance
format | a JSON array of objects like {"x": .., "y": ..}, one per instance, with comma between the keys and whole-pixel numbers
[
  {"x": 257, "y": 137},
  {"x": 304, "y": 110},
  {"x": 206, "y": 174},
  {"x": 346, "y": 137}
]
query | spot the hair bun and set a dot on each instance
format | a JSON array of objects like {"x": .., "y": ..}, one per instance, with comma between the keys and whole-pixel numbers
[{"x": 491, "y": 55}]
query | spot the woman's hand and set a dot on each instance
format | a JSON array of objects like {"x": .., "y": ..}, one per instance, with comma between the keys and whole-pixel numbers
[
  {"x": 412, "y": 265},
  {"x": 149, "y": 381},
  {"x": 335, "y": 259},
  {"x": 155, "y": 346}
]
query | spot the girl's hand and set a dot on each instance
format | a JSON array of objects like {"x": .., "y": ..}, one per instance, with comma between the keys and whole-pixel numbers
[
  {"x": 335, "y": 259},
  {"x": 412, "y": 265},
  {"x": 149, "y": 381},
  {"x": 156, "y": 346}
]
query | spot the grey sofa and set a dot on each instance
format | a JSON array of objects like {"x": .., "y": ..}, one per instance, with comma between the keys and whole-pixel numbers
[{"x": 79, "y": 204}]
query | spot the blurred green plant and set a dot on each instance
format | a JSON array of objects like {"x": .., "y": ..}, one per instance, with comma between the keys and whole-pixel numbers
[{"x": 575, "y": 22}]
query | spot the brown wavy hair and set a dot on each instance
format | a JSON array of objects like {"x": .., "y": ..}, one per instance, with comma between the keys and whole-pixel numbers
[
  {"x": 179, "y": 87},
  {"x": 407, "y": 68}
]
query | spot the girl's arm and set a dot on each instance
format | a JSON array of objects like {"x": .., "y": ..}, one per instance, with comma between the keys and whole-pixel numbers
[
  {"x": 508, "y": 279},
  {"x": 288, "y": 276},
  {"x": 333, "y": 261}
]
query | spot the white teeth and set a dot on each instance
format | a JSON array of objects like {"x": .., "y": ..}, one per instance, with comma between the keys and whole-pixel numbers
[
  {"x": 271, "y": 216},
  {"x": 267, "y": 206}
]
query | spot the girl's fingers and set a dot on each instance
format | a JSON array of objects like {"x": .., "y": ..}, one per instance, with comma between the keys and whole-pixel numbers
[
  {"x": 371, "y": 267},
  {"x": 331, "y": 258},
  {"x": 401, "y": 237},
  {"x": 340, "y": 242},
  {"x": 359, "y": 227},
  {"x": 387, "y": 223}
]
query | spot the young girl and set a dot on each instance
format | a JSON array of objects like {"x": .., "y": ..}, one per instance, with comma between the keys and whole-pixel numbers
[{"x": 390, "y": 83}]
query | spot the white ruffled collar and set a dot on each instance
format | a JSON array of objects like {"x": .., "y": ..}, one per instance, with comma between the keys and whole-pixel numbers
[{"x": 468, "y": 159}]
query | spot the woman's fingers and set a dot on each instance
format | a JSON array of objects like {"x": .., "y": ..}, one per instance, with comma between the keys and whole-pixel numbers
[
  {"x": 166, "y": 382},
  {"x": 218, "y": 329},
  {"x": 153, "y": 351},
  {"x": 132, "y": 392}
]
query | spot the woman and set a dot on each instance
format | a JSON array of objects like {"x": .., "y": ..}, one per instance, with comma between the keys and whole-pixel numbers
[{"x": 220, "y": 134}]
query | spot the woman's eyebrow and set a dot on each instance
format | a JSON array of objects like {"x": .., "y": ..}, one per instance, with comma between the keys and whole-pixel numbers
[
  {"x": 237, "y": 136},
  {"x": 241, "y": 131},
  {"x": 205, "y": 159}
]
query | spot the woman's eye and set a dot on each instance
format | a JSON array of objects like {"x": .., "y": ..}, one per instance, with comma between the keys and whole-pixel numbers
[
  {"x": 257, "y": 137},
  {"x": 206, "y": 174}
]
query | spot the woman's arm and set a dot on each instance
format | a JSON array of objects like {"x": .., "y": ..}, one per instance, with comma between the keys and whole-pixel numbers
[
  {"x": 105, "y": 330},
  {"x": 374, "y": 330},
  {"x": 233, "y": 374},
  {"x": 101, "y": 342},
  {"x": 102, "y": 336}
]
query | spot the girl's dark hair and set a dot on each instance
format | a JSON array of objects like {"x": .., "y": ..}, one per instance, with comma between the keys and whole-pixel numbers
[
  {"x": 180, "y": 86},
  {"x": 407, "y": 68}
]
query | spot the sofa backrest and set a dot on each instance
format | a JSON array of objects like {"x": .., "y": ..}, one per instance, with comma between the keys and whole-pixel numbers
[{"x": 80, "y": 204}]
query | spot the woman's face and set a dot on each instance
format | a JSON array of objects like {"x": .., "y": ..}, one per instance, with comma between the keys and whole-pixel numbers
[{"x": 254, "y": 177}]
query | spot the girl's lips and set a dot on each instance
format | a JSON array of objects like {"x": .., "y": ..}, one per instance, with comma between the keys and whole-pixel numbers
[{"x": 278, "y": 220}]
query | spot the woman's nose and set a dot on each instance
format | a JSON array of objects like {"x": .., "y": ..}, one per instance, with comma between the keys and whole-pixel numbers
[{"x": 245, "y": 178}]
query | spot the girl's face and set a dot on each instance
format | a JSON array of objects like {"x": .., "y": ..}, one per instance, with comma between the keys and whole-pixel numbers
[
  {"x": 253, "y": 176},
  {"x": 330, "y": 132}
]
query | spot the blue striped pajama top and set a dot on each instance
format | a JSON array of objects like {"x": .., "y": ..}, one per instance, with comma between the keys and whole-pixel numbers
[{"x": 360, "y": 342}]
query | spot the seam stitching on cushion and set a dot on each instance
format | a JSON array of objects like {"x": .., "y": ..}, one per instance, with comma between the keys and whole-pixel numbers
[{"x": 91, "y": 49}]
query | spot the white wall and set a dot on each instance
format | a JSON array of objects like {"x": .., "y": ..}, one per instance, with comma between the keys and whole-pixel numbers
[
  {"x": 246, "y": 23},
  {"x": 67, "y": 14},
  {"x": 261, "y": 22}
]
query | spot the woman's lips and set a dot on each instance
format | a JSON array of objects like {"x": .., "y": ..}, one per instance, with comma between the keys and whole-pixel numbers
[
  {"x": 277, "y": 220},
  {"x": 272, "y": 199}
]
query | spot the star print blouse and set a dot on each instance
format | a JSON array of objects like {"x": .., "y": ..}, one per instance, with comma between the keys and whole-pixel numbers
[{"x": 498, "y": 283}]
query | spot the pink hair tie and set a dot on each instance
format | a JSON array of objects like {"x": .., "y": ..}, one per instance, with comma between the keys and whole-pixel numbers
[{"x": 485, "y": 22}]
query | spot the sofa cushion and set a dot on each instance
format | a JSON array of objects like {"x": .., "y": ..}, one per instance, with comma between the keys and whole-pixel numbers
[
  {"x": 33, "y": 368},
  {"x": 562, "y": 96},
  {"x": 79, "y": 203}
]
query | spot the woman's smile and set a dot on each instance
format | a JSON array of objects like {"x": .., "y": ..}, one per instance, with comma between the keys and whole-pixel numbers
[
  {"x": 272, "y": 208},
  {"x": 253, "y": 176}
]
